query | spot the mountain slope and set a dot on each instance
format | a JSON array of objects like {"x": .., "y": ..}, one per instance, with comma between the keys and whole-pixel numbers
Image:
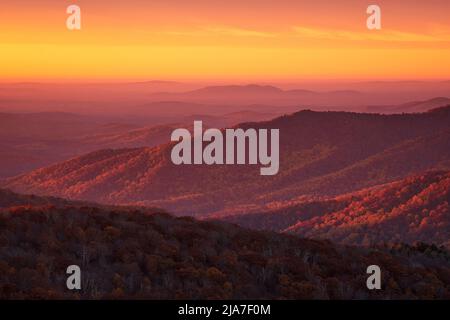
[
  {"x": 413, "y": 209},
  {"x": 325, "y": 153},
  {"x": 127, "y": 253},
  {"x": 416, "y": 209},
  {"x": 36, "y": 140}
]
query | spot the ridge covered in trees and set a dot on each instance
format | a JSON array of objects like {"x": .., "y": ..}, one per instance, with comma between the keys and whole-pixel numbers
[
  {"x": 131, "y": 253},
  {"x": 321, "y": 154},
  {"x": 408, "y": 210}
]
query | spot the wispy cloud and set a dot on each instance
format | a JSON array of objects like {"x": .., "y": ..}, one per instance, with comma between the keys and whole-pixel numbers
[
  {"x": 239, "y": 32},
  {"x": 381, "y": 35},
  {"x": 220, "y": 30},
  {"x": 435, "y": 35}
]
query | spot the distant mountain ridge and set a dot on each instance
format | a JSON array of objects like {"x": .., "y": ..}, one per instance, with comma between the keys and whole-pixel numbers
[
  {"x": 122, "y": 98},
  {"x": 257, "y": 94},
  {"x": 34, "y": 140},
  {"x": 322, "y": 153},
  {"x": 411, "y": 107}
]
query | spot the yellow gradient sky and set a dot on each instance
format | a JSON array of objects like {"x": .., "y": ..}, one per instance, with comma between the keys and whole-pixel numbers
[{"x": 210, "y": 39}]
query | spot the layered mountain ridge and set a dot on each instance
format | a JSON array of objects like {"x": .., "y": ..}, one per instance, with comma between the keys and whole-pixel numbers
[{"x": 321, "y": 154}]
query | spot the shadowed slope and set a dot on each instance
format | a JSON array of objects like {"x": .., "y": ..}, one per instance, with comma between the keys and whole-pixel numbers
[{"x": 128, "y": 253}]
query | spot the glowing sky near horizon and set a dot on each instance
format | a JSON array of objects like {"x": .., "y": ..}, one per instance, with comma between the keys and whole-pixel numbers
[{"x": 233, "y": 39}]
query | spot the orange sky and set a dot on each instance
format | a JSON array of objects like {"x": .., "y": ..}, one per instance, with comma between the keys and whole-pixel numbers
[{"x": 233, "y": 39}]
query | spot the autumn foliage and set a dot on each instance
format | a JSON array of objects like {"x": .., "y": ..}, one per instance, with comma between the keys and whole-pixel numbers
[
  {"x": 405, "y": 211},
  {"x": 129, "y": 253}
]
